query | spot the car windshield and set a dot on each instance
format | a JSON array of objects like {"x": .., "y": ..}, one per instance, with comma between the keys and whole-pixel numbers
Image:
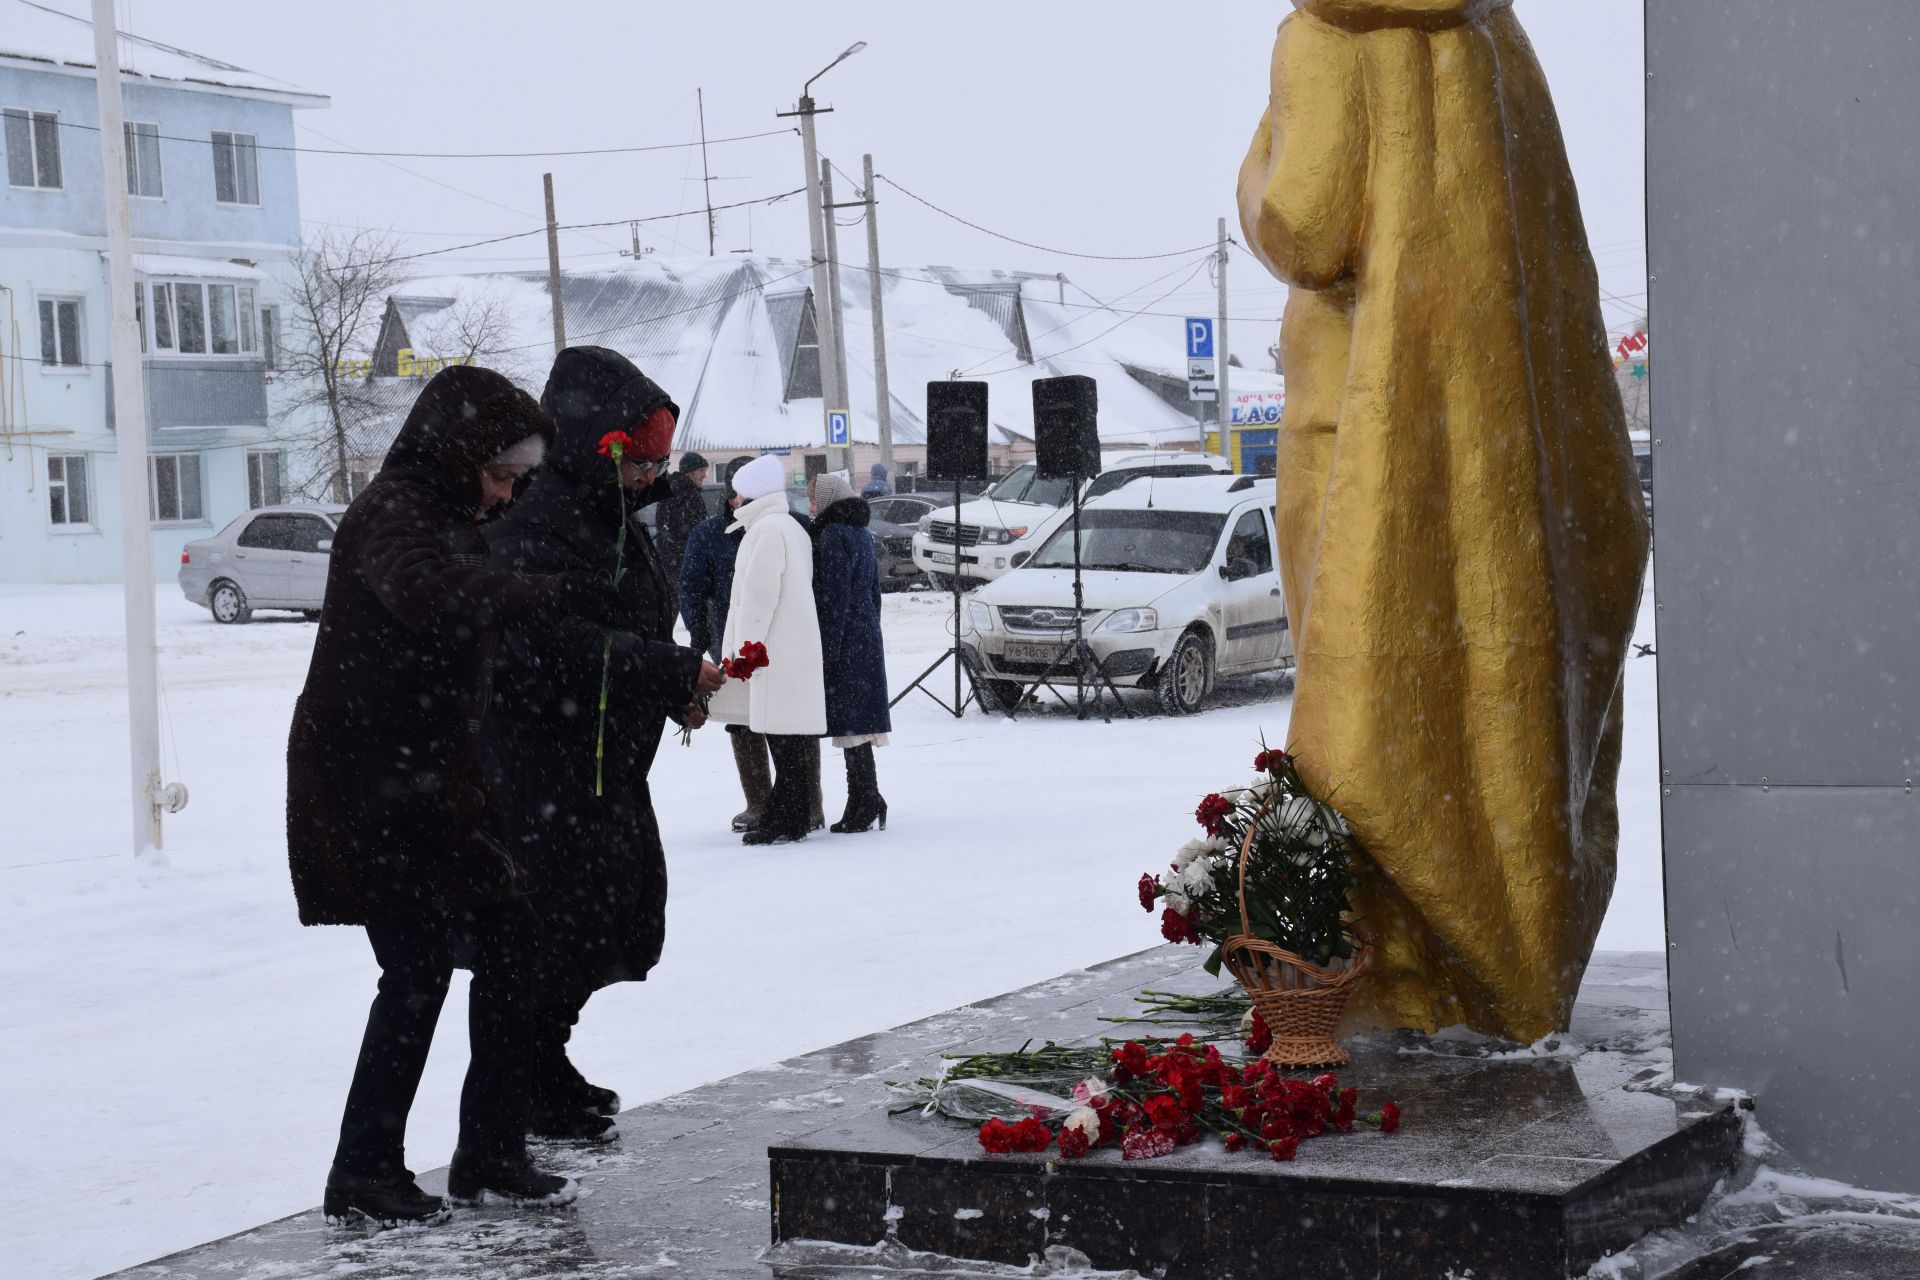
[
  {"x": 1108, "y": 481},
  {"x": 1137, "y": 542},
  {"x": 1025, "y": 484}
]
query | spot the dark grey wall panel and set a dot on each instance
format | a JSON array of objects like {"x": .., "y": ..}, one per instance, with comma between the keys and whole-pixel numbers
[
  {"x": 197, "y": 393},
  {"x": 1783, "y": 234}
]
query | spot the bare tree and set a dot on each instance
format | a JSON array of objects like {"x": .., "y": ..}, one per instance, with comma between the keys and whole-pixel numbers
[{"x": 341, "y": 283}]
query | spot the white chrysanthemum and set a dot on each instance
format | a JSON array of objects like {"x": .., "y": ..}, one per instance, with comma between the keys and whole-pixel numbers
[
  {"x": 1087, "y": 1121},
  {"x": 1179, "y": 902},
  {"x": 1197, "y": 878},
  {"x": 1188, "y": 852}
]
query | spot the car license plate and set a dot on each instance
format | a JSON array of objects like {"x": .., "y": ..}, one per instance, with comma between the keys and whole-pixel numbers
[
  {"x": 1019, "y": 651},
  {"x": 941, "y": 557}
]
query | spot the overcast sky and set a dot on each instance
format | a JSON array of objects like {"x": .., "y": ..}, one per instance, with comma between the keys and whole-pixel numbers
[{"x": 1100, "y": 126}]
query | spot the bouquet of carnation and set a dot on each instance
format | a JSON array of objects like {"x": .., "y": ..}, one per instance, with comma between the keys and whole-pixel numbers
[
  {"x": 1299, "y": 876},
  {"x": 751, "y": 658}
]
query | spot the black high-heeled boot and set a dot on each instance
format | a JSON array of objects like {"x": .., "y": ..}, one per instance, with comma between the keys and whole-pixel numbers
[{"x": 865, "y": 804}]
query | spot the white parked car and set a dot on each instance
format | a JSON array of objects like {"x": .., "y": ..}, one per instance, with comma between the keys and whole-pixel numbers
[
  {"x": 1003, "y": 527},
  {"x": 269, "y": 558},
  {"x": 1181, "y": 587}
]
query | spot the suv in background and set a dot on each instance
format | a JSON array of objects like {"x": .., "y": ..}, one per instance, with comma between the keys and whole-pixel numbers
[
  {"x": 269, "y": 558},
  {"x": 1180, "y": 587},
  {"x": 1002, "y": 528}
]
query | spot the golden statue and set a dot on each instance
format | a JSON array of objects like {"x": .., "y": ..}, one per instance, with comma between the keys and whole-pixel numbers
[{"x": 1461, "y": 526}]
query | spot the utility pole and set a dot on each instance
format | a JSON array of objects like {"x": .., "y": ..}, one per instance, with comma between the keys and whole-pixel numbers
[
  {"x": 1223, "y": 413},
  {"x": 553, "y": 271},
  {"x": 130, "y": 430},
  {"x": 832, "y": 226},
  {"x": 822, "y": 319},
  {"x": 882, "y": 398},
  {"x": 706, "y": 177}
]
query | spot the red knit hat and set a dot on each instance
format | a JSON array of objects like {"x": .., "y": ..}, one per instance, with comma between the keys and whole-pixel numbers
[{"x": 654, "y": 437}]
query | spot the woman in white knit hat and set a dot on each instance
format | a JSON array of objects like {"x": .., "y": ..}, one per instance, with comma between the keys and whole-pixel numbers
[{"x": 772, "y": 603}]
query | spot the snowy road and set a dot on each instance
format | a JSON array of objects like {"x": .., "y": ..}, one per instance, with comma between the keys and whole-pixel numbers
[{"x": 176, "y": 1046}]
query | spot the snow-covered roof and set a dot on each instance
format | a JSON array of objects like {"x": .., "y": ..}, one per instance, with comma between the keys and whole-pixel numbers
[
  {"x": 720, "y": 335},
  {"x": 31, "y": 32},
  {"x": 156, "y": 264}
]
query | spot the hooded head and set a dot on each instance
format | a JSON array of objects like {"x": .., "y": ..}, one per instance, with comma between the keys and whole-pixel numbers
[
  {"x": 877, "y": 473},
  {"x": 830, "y": 487},
  {"x": 1371, "y": 15},
  {"x": 592, "y": 391},
  {"x": 465, "y": 418}
]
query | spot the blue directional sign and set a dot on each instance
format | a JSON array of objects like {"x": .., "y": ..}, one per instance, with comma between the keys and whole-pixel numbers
[
  {"x": 1200, "y": 338},
  {"x": 838, "y": 435}
]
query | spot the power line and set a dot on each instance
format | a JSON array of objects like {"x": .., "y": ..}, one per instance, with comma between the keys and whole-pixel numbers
[
  {"x": 1054, "y": 355},
  {"x": 1028, "y": 244},
  {"x": 451, "y": 155}
]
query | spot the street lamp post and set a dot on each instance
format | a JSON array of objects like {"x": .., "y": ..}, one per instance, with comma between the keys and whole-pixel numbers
[{"x": 833, "y": 395}]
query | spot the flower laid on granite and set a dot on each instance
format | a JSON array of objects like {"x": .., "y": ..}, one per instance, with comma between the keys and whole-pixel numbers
[
  {"x": 1156, "y": 1097},
  {"x": 1299, "y": 878},
  {"x": 751, "y": 658}
]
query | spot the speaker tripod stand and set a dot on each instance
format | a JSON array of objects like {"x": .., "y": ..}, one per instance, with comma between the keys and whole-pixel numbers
[
  {"x": 962, "y": 669},
  {"x": 1086, "y": 662}
]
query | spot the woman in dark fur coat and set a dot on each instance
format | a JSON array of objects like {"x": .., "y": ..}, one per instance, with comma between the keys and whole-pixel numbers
[
  {"x": 389, "y": 822},
  {"x": 846, "y": 592},
  {"x": 596, "y": 865}
]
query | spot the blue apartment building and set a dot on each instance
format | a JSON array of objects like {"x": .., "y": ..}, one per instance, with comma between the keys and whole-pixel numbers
[{"x": 216, "y": 221}]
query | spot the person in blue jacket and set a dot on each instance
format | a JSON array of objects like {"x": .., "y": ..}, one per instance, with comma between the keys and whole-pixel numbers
[
  {"x": 846, "y": 592},
  {"x": 877, "y": 486}
]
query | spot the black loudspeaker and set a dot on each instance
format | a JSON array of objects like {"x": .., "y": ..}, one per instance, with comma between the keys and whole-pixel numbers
[
  {"x": 1066, "y": 426},
  {"x": 957, "y": 431}
]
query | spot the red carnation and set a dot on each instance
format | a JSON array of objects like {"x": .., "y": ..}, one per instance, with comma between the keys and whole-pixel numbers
[
  {"x": 1131, "y": 1058},
  {"x": 1270, "y": 761},
  {"x": 615, "y": 443},
  {"x": 1031, "y": 1135},
  {"x": 1146, "y": 1144},
  {"x": 1259, "y": 1040},
  {"x": 1235, "y": 1142},
  {"x": 1212, "y": 813},
  {"x": 1175, "y": 927},
  {"x": 1166, "y": 1113},
  {"x": 1073, "y": 1142},
  {"x": 996, "y": 1135},
  {"x": 1389, "y": 1118},
  {"x": 1343, "y": 1118},
  {"x": 1149, "y": 891},
  {"x": 1284, "y": 1148}
]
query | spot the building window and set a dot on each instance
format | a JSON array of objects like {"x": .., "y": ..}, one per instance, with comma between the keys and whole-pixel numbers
[
  {"x": 173, "y": 488},
  {"x": 270, "y": 336},
  {"x": 263, "y": 479},
  {"x": 60, "y": 333},
  {"x": 33, "y": 149},
  {"x": 357, "y": 481},
  {"x": 195, "y": 318},
  {"x": 804, "y": 382},
  {"x": 143, "y": 160},
  {"x": 67, "y": 494},
  {"x": 236, "y": 168}
]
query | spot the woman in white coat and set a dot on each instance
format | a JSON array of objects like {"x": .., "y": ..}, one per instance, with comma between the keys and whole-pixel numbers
[{"x": 772, "y": 602}]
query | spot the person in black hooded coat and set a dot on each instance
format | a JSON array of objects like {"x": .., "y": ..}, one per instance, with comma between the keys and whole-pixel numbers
[
  {"x": 389, "y": 821},
  {"x": 598, "y": 869}
]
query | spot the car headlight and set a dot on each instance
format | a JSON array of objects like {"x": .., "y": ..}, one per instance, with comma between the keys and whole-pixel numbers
[
  {"x": 980, "y": 615},
  {"x": 925, "y": 525},
  {"x": 1126, "y": 620},
  {"x": 1001, "y": 537}
]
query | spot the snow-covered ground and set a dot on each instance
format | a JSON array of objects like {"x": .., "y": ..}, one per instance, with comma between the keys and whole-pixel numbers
[{"x": 176, "y": 1046}]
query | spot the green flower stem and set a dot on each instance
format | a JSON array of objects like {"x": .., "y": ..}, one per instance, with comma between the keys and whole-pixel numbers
[{"x": 606, "y": 653}]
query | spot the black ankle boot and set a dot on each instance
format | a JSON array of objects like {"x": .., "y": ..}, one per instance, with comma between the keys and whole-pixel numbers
[
  {"x": 571, "y": 1124},
  {"x": 385, "y": 1201},
  {"x": 865, "y": 804},
  {"x": 510, "y": 1178},
  {"x": 566, "y": 1087},
  {"x": 785, "y": 817}
]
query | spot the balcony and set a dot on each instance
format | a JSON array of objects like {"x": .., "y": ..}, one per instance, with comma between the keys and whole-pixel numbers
[{"x": 199, "y": 394}]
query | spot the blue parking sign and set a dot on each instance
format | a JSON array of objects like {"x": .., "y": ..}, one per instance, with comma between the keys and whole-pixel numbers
[
  {"x": 837, "y": 434},
  {"x": 1199, "y": 338}
]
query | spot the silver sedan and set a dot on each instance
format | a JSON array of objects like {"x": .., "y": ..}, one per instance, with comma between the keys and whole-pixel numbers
[{"x": 270, "y": 558}]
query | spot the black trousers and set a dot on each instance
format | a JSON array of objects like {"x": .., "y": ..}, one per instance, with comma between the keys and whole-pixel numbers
[
  {"x": 416, "y": 965},
  {"x": 792, "y": 775}
]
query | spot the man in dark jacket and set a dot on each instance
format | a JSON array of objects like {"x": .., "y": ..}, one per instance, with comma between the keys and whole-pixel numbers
[
  {"x": 593, "y": 853},
  {"x": 877, "y": 486},
  {"x": 683, "y": 509},
  {"x": 389, "y": 823}
]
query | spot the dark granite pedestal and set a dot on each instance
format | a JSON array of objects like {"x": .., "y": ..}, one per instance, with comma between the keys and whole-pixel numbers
[
  {"x": 1510, "y": 1168},
  {"x": 1509, "y": 1165}
]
